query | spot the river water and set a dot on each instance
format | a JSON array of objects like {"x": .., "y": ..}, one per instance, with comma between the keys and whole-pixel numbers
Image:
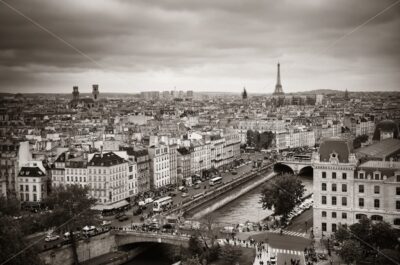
[{"x": 248, "y": 208}]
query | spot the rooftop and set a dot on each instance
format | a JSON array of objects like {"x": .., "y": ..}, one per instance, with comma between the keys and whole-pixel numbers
[
  {"x": 381, "y": 149},
  {"x": 106, "y": 160},
  {"x": 31, "y": 172},
  {"x": 381, "y": 164}
]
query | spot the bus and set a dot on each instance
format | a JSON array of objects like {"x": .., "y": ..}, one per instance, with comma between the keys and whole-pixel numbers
[
  {"x": 216, "y": 180},
  {"x": 162, "y": 203}
]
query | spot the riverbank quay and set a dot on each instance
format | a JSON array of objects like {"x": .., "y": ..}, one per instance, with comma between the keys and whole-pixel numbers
[{"x": 207, "y": 196}]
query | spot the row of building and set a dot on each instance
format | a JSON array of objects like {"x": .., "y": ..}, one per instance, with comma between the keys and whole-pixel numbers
[{"x": 118, "y": 172}]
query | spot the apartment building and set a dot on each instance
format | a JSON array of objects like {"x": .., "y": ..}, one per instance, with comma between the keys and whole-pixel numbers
[
  {"x": 200, "y": 157},
  {"x": 108, "y": 178},
  {"x": 12, "y": 156},
  {"x": 32, "y": 182},
  {"x": 173, "y": 163},
  {"x": 159, "y": 166},
  {"x": 184, "y": 166}
]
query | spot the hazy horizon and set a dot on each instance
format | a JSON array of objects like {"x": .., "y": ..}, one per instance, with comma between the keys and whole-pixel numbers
[{"x": 129, "y": 47}]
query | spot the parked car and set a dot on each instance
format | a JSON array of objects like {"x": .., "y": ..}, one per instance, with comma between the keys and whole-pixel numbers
[
  {"x": 123, "y": 218},
  {"x": 183, "y": 195},
  {"x": 197, "y": 186},
  {"x": 234, "y": 172},
  {"x": 51, "y": 237}
]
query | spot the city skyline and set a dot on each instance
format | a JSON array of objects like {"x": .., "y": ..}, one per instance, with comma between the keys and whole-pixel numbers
[{"x": 205, "y": 47}]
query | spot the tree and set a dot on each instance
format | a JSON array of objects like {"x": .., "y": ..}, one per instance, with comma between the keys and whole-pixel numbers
[
  {"x": 283, "y": 193},
  {"x": 9, "y": 206},
  {"x": 342, "y": 234},
  {"x": 388, "y": 256},
  {"x": 361, "y": 230},
  {"x": 12, "y": 244},
  {"x": 351, "y": 251},
  {"x": 71, "y": 208},
  {"x": 229, "y": 254},
  {"x": 192, "y": 261},
  {"x": 383, "y": 235}
]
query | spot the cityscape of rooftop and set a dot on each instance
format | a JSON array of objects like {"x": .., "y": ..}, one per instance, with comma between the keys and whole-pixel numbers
[{"x": 180, "y": 132}]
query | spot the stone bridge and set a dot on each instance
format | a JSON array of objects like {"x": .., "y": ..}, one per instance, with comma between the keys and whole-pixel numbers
[
  {"x": 127, "y": 237},
  {"x": 294, "y": 166}
]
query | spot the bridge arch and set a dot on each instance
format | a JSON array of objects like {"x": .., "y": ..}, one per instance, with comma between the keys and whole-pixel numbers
[
  {"x": 281, "y": 168},
  {"x": 306, "y": 171}
]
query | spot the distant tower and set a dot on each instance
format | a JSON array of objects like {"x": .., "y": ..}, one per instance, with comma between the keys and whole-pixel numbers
[
  {"x": 244, "y": 94},
  {"x": 75, "y": 93},
  {"x": 95, "y": 92},
  {"x": 278, "y": 87},
  {"x": 346, "y": 95}
]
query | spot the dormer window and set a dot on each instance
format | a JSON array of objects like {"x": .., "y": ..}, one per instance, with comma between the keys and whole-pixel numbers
[
  {"x": 361, "y": 175},
  {"x": 377, "y": 175}
]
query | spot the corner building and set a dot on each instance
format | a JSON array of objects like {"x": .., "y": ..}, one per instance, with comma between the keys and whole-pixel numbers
[
  {"x": 346, "y": 191},
  {"x": 334, "y": 167}
]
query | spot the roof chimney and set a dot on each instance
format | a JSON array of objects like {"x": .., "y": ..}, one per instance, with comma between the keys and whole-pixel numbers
[
  {"x": 391, "y": 162},
  {"x": 101, "y": 151}
]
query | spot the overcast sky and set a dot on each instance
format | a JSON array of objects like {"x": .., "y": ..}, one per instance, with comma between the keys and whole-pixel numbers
[{"x": 200, "y": 45}]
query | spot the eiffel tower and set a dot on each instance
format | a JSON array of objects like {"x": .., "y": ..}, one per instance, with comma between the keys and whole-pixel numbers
[{"x": 278, "y": 87}]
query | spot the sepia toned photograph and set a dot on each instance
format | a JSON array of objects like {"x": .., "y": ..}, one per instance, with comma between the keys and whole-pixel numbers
[{"x": 200, "y": 132}]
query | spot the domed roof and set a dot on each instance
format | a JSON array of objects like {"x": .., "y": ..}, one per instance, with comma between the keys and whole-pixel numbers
[
  {"x": 335, "y": 147},
  {"x": 386, "y": 126}
]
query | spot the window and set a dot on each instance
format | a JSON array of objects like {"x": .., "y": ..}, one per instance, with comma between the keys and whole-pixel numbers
[
  {"x": 333, "y": 175},
  {"x": 21, "y": 187},
  {"x": 324, "y": 227},
  {"x": 27, "y": 196},
  {"x": 376, "y": 203},
  {"x": 376, "y": 218},
  {"x": 333, "y": 187},
  {"x": 344, "y": 201},
  {"x": 34, "y": 187},
  {"x": 344, "y": 215},
  {"x": 361, "y": 202},
  {"x": 27, "y": 189},
  {"x": 397, "y": 190},
  {"x": 361, "y": 175},
  {"x": 397, "y": 205},
  {"x": 323, "y": 214},
  {"x": 323, "y": 200},
  {"x": 34, "y": 197},
  {"x": 377, "y": 176},
  {"x": 334, "y": 214},
  {"x": 344, "y": 176},
  {"x": 396, "y": 221},
  {"x": 344, "y": 187},
  {"x": 323, "y": 187},
  {"x": 361, "y": 188},
  {"x": 334, "y": 227},
  {"x": 333, "y": 200},
  {"x": 324, "y": 175},
  {"x": 398, "y": 178},
  {"x": 376, "y": 189},
  {"x": 360, "y": 216}
]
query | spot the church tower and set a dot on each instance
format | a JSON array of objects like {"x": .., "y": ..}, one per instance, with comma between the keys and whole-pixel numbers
[
  {"x": 75, "y": 93},
  {"x": 278, "y": 87},
  {"x": 95, "y": 92}
]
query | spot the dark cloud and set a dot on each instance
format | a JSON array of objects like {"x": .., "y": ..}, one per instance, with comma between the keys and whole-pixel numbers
[{"x": 200, "y": 45}]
